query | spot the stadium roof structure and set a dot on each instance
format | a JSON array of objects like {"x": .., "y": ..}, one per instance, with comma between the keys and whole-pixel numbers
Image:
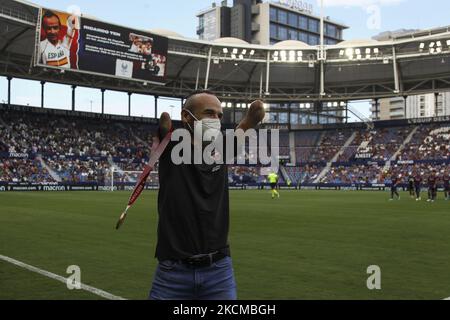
[{"x": 238, "y": 71}]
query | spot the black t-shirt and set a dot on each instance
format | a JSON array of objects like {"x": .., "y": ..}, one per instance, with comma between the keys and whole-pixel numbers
[
  {"x": 446, "y": 180},
  {"x": 394, "y": 182},
  {"x": 417, "y": 181},
  {"x": 193, "y": 207},
  {"x": 431, "y": 181}
]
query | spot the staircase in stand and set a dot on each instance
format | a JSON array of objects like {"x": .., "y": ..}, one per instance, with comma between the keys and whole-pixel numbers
[{"x": 335, "y": 158}]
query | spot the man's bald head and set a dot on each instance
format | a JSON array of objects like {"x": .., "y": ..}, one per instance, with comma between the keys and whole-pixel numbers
[
  {"x": 200, "y": 97},
  {"x": 202, "y": 104}
]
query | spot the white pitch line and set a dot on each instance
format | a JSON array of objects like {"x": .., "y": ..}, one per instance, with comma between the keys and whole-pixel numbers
[{"x": 53, "y": 276}]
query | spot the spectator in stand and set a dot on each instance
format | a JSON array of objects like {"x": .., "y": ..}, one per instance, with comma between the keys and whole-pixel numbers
[{"x": 23, "y": 171}]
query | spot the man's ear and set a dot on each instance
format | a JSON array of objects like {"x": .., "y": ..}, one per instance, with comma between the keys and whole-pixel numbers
[{"x": 185, "y": 116}]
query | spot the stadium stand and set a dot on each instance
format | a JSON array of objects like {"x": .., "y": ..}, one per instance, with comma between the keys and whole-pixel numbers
[
  {"x": 244, "y": 175},
  {"x": 356, "y": 173},
  {"x": 46, "y": 147},
  {"x": 306, "y": 143},
  {"x": 431, "y": 142},
  {"x": 23, "y": 171},
  {"x": 77, "y": 149},
  {"x": 51, "y": 135},
  {"x": 305, "y": 174},
  {"x": 330, "y": 145}
]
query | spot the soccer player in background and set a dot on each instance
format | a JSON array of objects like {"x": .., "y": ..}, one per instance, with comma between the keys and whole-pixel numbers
[
  {"x": 395, "y": 181},
  {"x": 411, "y": 185},
  {"x": 432, "y": 186},
  {"x": 54, "y": 52},
  {"x": 418, "y": 185},
  {"x": 273, "y": 180},
  {"x": 445, "y": 180}
]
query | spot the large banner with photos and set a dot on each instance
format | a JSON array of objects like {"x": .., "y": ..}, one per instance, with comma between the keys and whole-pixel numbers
[{"x": 74, "y": 43}]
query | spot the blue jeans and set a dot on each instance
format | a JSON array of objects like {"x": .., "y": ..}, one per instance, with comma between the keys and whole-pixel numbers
[{"x": 176, "y": 281}]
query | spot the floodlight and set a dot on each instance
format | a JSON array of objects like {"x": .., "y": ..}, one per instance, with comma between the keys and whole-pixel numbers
[{"x": 349, "y": 53}]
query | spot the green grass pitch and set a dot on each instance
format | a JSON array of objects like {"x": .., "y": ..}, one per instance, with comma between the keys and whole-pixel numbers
[{"x": 307, "y": 245}]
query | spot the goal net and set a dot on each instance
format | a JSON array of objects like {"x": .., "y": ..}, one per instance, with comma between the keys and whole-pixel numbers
[{"x": 126, "y": 180}]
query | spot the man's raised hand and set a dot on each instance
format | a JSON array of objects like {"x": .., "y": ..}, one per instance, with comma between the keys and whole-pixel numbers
[
  {"x": 254, "y": 116},
  {"x": 165, "y": 125}
]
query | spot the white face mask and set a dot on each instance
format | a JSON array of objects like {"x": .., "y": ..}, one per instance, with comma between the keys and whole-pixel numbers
[{"x": 211, "y": 128}]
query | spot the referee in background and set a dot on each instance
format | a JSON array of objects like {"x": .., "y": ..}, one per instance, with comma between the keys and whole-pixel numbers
[
  {"x": 273, "y": 179},
  {"x": 193, "y": 206}
]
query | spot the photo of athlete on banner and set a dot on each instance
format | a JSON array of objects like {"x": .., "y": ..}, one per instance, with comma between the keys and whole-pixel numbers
[
  {"x": 156, "y": 65},
  {"x": 141, "y": 44},
  {"x": 81, "y": 44},
  {"x": 59, "y": 40}
]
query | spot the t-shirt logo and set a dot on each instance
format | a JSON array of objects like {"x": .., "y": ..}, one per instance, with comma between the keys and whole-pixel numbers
[{"x": 56, "y": 55}]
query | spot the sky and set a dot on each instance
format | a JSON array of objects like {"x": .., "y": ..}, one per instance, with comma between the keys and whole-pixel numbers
[{"x": 365, "y": 18}]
